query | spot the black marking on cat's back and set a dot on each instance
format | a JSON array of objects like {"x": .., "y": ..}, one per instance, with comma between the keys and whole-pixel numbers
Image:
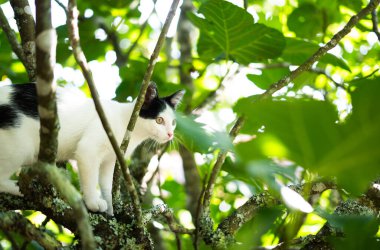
[
  {"x": 8, "y": 117},
  {"x": 24, "y": 98}
]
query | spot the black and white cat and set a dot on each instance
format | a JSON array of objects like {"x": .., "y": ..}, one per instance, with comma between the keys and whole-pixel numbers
[{"x": 81, "y": 136}]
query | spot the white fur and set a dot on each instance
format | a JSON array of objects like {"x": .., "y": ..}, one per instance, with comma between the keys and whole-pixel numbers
[{"x": 80, "y": 138}]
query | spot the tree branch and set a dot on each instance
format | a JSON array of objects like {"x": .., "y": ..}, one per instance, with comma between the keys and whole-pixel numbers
[
  {"x": 46, "y": 45},
  {"x": 15, "y": 222},
  {"x": 147, "y": 77},
  {"x": 375, "y": 26},
  {"x": 312, "y": 70},
  {"x": 205, "y": 222},
  {"x": 321, "y": 51},
  {"x": 230, "y": 225},
  {"x": 167, "y": 213},
  {"x": 72, "y": 21},
  {"x": 218, "y": 165},
  {"x": 25, "y": 23}
]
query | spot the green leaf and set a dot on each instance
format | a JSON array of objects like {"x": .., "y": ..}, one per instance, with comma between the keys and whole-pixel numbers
[
  {"x": 349, "y": 224},
  {"x": 306, "y": 21},
  {"x": 197, "y": 138},
  {"x": 298, "y": 51},
  {"x": 250, "y": 234},
  {"x": 228, "y": 32},
  {"x": 306, "y": 128},
  {"x": 306, "y": 132},
  {"x": 176, "y": 197},
  {"x": 268, "y": 77},
  {"x": 358, "y": 153}
]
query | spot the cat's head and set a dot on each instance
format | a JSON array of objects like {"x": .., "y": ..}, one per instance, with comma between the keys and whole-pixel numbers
[{"x": 158, "y": 114}]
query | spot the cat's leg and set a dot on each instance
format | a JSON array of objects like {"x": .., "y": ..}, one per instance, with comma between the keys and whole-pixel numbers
[
  {"x": 6, "y": 185},
  {"x": 106, "y": 180},
  {"x": 88, "y": 167}
]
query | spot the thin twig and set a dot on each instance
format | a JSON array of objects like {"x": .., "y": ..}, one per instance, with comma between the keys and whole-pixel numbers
[
  {"x": 321, "y": 51},
  {"x": 127, "y": 55},
  {"x": 375, "y": 27},
  {"x": 12, "y": 38},
  {"x": 62, "y": 6},
  {"x": 81, "y": 60},
  {"x": 167, "y": 213},
  {"x": 211, "y": 98},
  {"x": 147, "y": 77},
  {"x": 218, "y": 165}
]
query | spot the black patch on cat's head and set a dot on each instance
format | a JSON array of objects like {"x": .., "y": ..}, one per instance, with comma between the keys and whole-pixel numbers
[
  {"x": 154, "y": 105},
  {"x": 24, "y": 98},
  {"x": 8, "y": 117}
]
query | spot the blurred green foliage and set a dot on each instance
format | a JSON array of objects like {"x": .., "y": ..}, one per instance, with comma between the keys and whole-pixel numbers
[{"x": 326, "y": 123}]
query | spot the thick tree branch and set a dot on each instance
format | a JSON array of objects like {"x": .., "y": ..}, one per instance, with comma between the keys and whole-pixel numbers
[
  {"x": 14, "y": 222},
  {"x": 46, "y": 45},
  {"x": 26, "y": 26}
]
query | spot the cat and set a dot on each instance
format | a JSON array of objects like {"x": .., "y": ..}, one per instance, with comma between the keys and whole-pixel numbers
[{"x": 81, "y": 135}]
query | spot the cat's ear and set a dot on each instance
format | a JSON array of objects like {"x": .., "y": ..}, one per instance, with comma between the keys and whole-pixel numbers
[
  {"x": 175, "y": 99},
  {"x": 151, "y": 94}
]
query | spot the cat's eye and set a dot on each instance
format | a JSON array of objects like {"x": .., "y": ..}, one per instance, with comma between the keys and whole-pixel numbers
[
  {"x": 174, "y": 122},
  {"x": 160, "y": 120}
]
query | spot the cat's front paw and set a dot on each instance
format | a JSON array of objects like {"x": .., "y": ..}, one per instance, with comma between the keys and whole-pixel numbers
[{"x": 96, "y": 205}]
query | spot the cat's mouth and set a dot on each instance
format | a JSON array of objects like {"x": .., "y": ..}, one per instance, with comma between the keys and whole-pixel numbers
[{"x": 164, "y": 140}]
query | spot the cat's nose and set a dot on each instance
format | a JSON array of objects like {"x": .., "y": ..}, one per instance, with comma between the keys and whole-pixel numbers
[{"x": 170, "y": 135}]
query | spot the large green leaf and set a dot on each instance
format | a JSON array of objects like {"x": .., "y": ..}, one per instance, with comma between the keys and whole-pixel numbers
[
  {"x": 229, "y": 32},
  {"x": 197, "y": 138},
  {"x": 307, "y": 132},
  {"x": 306, "y": 129},
  {"x": 358, "y": 153},
  {"x": 298, "y": 51},
  {"x": 349, "y": 224},
  {"x": 268, "y": 77},
  {"x": 306, "y": 21}
]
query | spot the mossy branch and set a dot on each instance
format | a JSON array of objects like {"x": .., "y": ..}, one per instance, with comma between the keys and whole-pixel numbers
[
  {"x": 167, "y": 213},
  {"x": 46, "y": 41},
  {"x": 15, "y": 222}
]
